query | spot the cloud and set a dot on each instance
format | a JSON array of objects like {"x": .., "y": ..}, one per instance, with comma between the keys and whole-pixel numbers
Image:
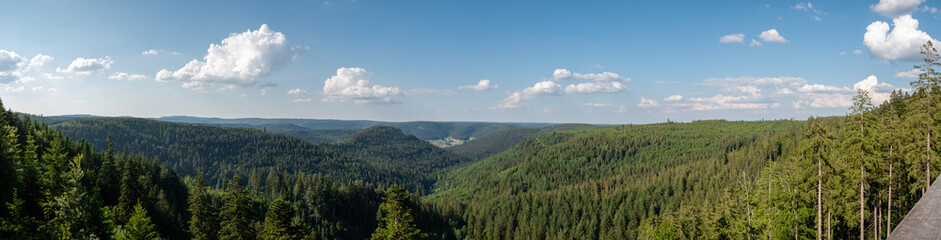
[
  {"x": 782, "y": 81},
  {"x": 645, "y": 103},
  {"x": 772, "y": 36},
  {"x": 601, "y": 77},
  {"x": 85, "y": 66},
  {"x": 430, "y": 91},
  {"x": 914, "y": 73},
  {"x": 11, "y": 66},
  {"x": 126, "y": 76},
  {"x": 39, "y": 60},
  {"x": 301, "y": 100},
  {"x": 26, "y": 79},
  {"x": 755, "y": 43},
  {"x": 597, "y": 104},
  {"x": 354, "y": 84},
  {"x": 52, "y": 77},
  {"x": 561, "y": 74},
  {"x": 733, "y": 38},
  {"x": 606, "y": 82},
  {"x": 514, "y": 99},
  {"x": 812, "y": 88},
  {"x": 482, "y": 85},
  {"x": 596, "y": 87},
  {"x": 809, "y": 7},
  {"x": 15, "y": 89},
  {"x": 896, "y": 8},
  {"x": 821, "y": 96},
  {"x": 879, "y": 92},
  {"x": 857, "y": 51},
  {"x": 901, "y": 43},
  {"x": 155, "y": 52},
  {"x": 297, "y": 91},
  {"x": 932, "y": 10},
  {"x": 622, "y": 109},
  {"x": 674, "y": 98},
  {"x": 241, "y": 60}
]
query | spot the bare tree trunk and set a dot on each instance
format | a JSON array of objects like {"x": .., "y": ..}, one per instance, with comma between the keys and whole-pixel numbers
[
  {"x": 888, "y": 225},
  {"x": 819, "y": 200},
  {"x": 829, "y": 230},
  {"x": 862, "y": 208}
]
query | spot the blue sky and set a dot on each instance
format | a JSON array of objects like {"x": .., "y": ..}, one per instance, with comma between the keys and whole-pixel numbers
[{"x": 546, "y": 61}]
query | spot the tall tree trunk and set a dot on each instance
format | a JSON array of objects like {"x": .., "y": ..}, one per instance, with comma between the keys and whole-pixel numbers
[
  {"x": 888, "y": 225},
  {"x": 928, "y": 162},
  {"x": 862, "y": 208},
  {"x": 819, "y": 200},
  {"x": 829, "y": 230}
]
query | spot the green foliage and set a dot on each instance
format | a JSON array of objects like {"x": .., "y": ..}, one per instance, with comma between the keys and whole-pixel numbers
[
  {"x": 139, "y": 227},
  {"x": 203, "y": 224},
  {"x": 278, "y": 222},
  {"x": 397, "y": 153},
  {"x": 497, "y": 142},
  {"x": 398, "y": 222},
  {"x": 236, "y": 213}
]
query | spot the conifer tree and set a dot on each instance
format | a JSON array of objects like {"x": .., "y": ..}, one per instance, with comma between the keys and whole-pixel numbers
[
  {"x": 139, "y": 226},
  {"x": 398, "y": 221},
  {"x": 130, "y": 190},
  {"x": 278, "y": 225},
  {"x": 204, "y": 224},
  {"x": 860, "y": 152},
  {"x": 235, "y": 213}
]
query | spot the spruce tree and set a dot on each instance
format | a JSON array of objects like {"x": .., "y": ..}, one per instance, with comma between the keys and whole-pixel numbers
[
  {"x": 397, "y": 221},
  {"x": 204, "y": 224},
  {"x": 278, "y": 225},
  {"x": 235, "y": 213},
  {"x": 130, "y": 190},
  {"x": 139, "y": 226}
]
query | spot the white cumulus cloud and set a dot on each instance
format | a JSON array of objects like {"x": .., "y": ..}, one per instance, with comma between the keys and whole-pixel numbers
[
  {"x": 645, "y": 103},
  {"x": 733, "y": 38},
  {"x": 11, "y": 66},
  {"x": 896, "y": 8},
  {"x": 597, "y": 104},
  {"x": 605, "y": 82},
  {"x": 301, "y": 100},
  {"x": 561, "y": 74},
  {"x": 87, "y": 65},
  {"x": 150, "y": 52},
  {"x": 914, "y": 73},
  {"x": 297, "y": 91},
  {"x": 15, "y": 89},
  {"x": 482, "y": 85},
  {"x": 355, "y": 84},
  {"x": 241, "y": 60},
  {"x": 901, "y": 43},
  {"x": 772, "y": 36},
  {"x": 755, "y": 43},
  {"x": 39, "y": 60},
  {"x": 674, "y": 98},
  {"x": 126, "y": 76}
]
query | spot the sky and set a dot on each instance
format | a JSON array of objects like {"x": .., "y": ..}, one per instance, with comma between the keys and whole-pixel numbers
[{"x": 502, "y": 61}]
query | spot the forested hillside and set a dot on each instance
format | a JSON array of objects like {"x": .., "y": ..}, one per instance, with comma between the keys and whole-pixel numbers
[
  {"x": 221, "y": 153},
  {"x": 307, "y": 128},
  {"x": 56, "y": 188},
  {"x": 603, "y": 183},
  {"x": 404, "y": 154},
  {"x": 497, "y": 142}
]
